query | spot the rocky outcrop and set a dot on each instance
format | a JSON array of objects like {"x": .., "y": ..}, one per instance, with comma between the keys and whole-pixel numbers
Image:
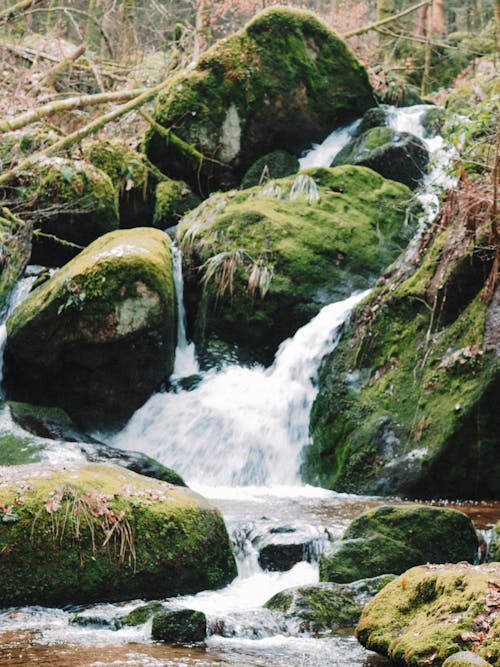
[
  {"x": 261, "y": 262},
  {"x": 399, "y": 156},
  {"x": 432, "y": 612},
  {"x": 129, "y": 536},
  {"x": 393, "y": 539},
  {"x": 285, "y": 80},
  {"x": 15, "y": 250},
  {"x": 182, "y": 626},
  {"x": 99, "y": 336}
]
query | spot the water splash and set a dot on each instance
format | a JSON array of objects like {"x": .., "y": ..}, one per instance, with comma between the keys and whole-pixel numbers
[
  {"x": 242, "y": 425},
  {"x": 185, "y": 354},
  {"x": 322, "y": 155}
]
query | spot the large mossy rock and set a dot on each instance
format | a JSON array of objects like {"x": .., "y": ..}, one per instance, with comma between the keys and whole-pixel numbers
[
  {"x": 99, "y": 336},
  {"x": 399, "y": 156},
  {"x": 285, "y": 80},
  {"x": 408, "y": 401},
  {"x": 71, "y": 203},
  {"x": 431, "y": 612},
  {"x": 179, "y": 626},
  {"x": 15, "y": 249},
  {"x": 261, "y": 262},
  {"x": 100, "y": 532},
  {"x": 390, "y": 540}
]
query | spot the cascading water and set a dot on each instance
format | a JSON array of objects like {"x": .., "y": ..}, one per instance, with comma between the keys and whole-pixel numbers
[{"x": 185, "y": 354}]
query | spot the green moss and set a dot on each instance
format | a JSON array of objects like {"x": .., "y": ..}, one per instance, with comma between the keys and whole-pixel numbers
[
  {"x": 239, "y": 100},
  {"x": 424, "y": 614},
  {"x": 106, "y": 318},
  {"x": 280, "y": 602},
  {"x": 15, "y": 242},
  {"x": 289, "y": 247},
  {"x": 140, "y": 615},
  {"x": 71, "y": 202},
  {"x": 273, "y": 165},
  {"x": 173, "y": 200},
  {"x": 126, "y": 536},
  {"x": 18, "y": 450}
]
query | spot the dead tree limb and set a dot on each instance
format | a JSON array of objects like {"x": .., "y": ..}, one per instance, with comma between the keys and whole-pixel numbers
[
  {"x": 389, "y": 19},
  {"x": 15, "y": 9},
  {"x": 51, "y": 76}
]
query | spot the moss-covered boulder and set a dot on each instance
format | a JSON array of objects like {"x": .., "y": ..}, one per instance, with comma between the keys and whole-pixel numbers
[
  {"x": 70, "y": 202},
  {"x": 399, "y": 156},
  {"x": 99, "y": 336},
  {"x": 261, "y": 262},
  {"x": 494, "y": 550},
  {"x": 408, "y": 399},
  {"x": 100, "y": 532},
  {"x": 393, "y": 539},
  {"x": 273, "y": 165},
  {"x": 431, "y": 612},
  {"x": 142, "y": 613},
  {"x": 179, "y": 626},
  {"x": 15, "y": 249},
  {"x": 173, "y": 199},
  {"x": 465, "y": 659},
  {"x": 283, "y": 81}
]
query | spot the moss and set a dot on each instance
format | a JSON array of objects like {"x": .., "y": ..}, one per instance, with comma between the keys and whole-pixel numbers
[
  {"x": 71, "y": 202},
  {"x": 184, "y": 626},
  {"x": 399, "y": 156},
  {"x": 465, "y": 659},
  {"x": 173, "y": 200},
  {"x": 273, "y": 165},
  {"x": 15, "y": 242},
  {"x": 406, "y": 402},
  {"x": 425, "y": 614},
  {"x": 271, "y": 256},
  {"x": 239, "y": 101},
  {"x": 18, "y": 450},
  {"x": 141, "y": 614},
  {"x": 280, "y": 602},
  {"x": 105, "y": 319},
  {"x": 16, "y": 145},
  {"x": 127, "y": 536},
  {"x": 494, "y": 549}
]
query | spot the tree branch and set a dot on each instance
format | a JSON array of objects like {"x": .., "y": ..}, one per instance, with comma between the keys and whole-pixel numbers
[
  {"x": 389, "y": 19},
  {"x": 15, "y": 9}
]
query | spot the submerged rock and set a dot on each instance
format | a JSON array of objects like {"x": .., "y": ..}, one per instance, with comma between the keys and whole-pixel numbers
[
  {"x": 399, "y": 156},
  {"x": 15, "y": 249},
  {"x": 394, "y": 539},
  {"x": 71, "y": 203},
  {"x": 99, "y": 336},
  {"x": 431, "y": 612},
  {"x": 102, "y": 533},
  {"x": 261, "y": 262},
  {"x": 283, "y": 81},
  {"x": 183, "y": 626},
  {"x": 281, "y": 546}
]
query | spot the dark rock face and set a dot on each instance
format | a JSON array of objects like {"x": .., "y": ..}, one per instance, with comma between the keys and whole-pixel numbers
[
  {"x": 273, "y": 165},
  {"x": 184, "y": 626},
  {"x": 394, "y": 539},
  {"x": 99, "y": 336},
  {"x": 285, "y": 80},
  {"x": 399, "y": 156},
  {"x": 284, "y": 546},
  {"x": 15, "y": 249}
]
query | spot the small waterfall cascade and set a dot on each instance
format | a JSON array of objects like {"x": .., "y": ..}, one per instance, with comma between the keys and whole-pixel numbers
[
  {"x": 19, "y": 293},
  {"x": 241, "y": 426},
  {"x": 185, "y": 354}
]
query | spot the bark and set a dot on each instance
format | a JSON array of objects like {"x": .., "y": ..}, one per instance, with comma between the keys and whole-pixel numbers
[
  {"x": 51, "y": 76},
  {"x": 385, "y": 21}
]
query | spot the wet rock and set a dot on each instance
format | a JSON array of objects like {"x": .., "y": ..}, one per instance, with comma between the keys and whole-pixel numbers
[
  {"x": 15, "y": 249},
  {"x": 431, "y": 612},
  {"x": 465, "y": 659},
  {"x": 273, "y": 165},
  {"x": 494, "y": 550},
  {"x": 129, "y": 536},
  {"x": 143, "y": 613},
  {"x": 173, "y": 200},
  {"x": 394, "y": 539},
  {"x": 376, "y": 117},
  {"x": 99, "y": 336},
  {"x": 399, "y": 156},
  {"x": 100, "y": 622},
  {"x": 283, "y": 81},
  {"x": 260, "y": 263},
  {"x": 433, "y": 121},
  {"x": 281, "y": 547},
  {"x": 183, "y": 626}
]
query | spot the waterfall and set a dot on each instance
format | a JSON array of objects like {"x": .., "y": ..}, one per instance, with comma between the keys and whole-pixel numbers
[
  {"x": 185, "y": 354},
  {"x": 241, "y": 426}
]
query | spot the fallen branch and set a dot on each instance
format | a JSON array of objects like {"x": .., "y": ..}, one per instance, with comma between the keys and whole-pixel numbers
[
  {"x": 389, "y": 19},
  {"x": 78, "y": 135},
  {"x": 15, "y": 9},
  {"x": 68, "y": 104},
  {"x": 51, "y": 76}
]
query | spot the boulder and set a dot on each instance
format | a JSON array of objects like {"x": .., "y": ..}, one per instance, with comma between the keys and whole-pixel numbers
[
  {"x": 15, "y": 249},
  {"x": 393, "y": 539},
  {"x": 282, "y": 546},
  {"x": 141, "y": 614},
  {"x": 465, "y": 659},
  {"x": 326, "y": 607},
  {"x": 71, "y": 204},
  {"x": 99, "y": 336},
  {"x": 431, "y": 612},
  {"x": 273, "y": 165},
  {"x": 283, "y": 81},
  {"x": 182, "y": 626},
  {"x": 260, "y": 263},
  {"x": 407, "y": 401},
  {"x": 173, "y": 199},
  {"x": 129, "y": 536},
  {"x": 400, "y": 156}
]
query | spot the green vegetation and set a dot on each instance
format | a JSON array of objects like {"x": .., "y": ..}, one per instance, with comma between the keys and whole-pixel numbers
[
  {"x": 262, "y": 262},
  {"x": 173, "y": 200},
  {"x": 277, "y": 164},
  {"x": 430, "y": 613},
  {"x": 104, "y": 533},
  {"x": 15, "y": 242}
]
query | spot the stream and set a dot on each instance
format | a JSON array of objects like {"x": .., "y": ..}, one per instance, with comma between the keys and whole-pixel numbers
[{"x": 236, "y": 436}]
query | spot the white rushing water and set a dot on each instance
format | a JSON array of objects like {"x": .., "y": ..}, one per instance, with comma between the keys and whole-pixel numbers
[{"x": 185, "y": 354}]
